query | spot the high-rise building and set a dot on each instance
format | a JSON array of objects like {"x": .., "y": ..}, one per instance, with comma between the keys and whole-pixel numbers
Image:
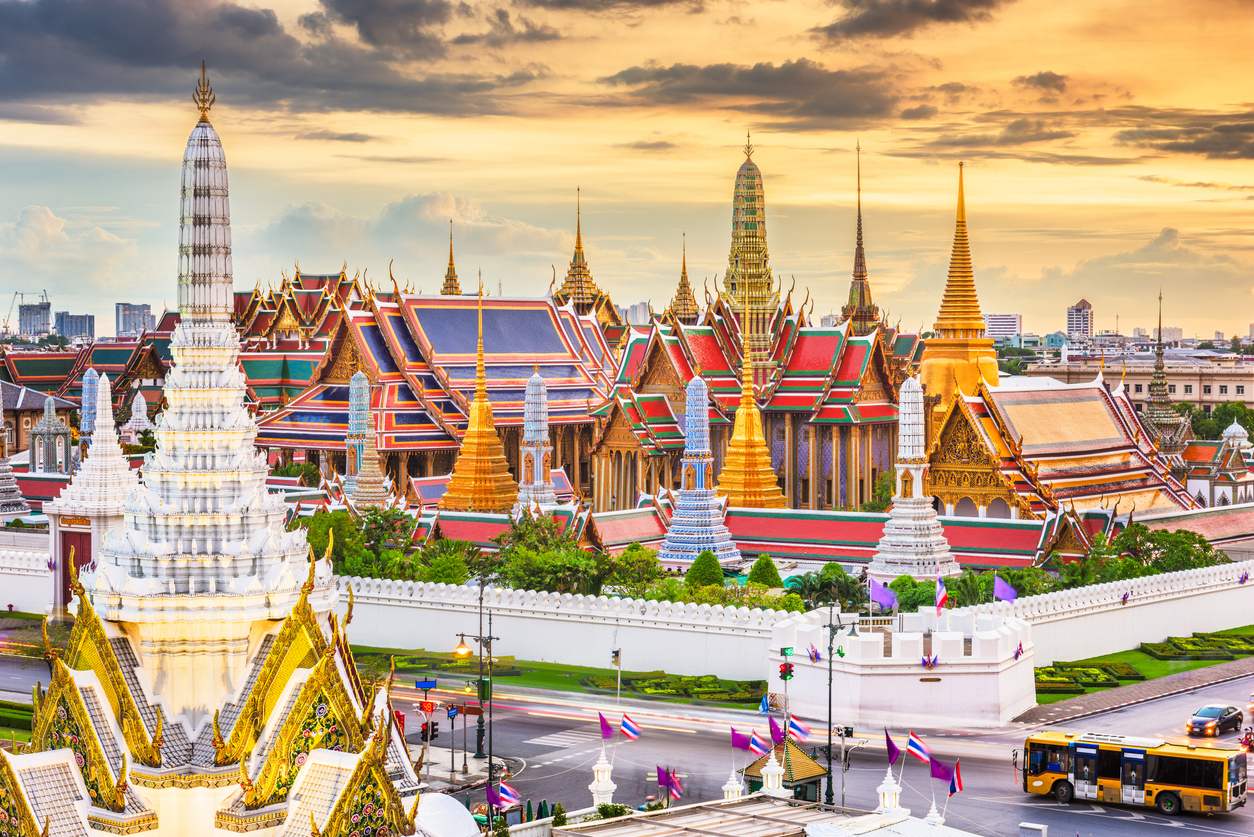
[
  {"x": 1002, "y": 325},
  {"x": 75, "y": 325},
  {"x": 34, "y": 319},
  {"x": 1219, "y": 335},
  {"x": 130, "y": 318},
  {"x": 1170, "y": 334},
  {"x": 1139, "y": 333},
  {"x": 1080, "y": 321}
]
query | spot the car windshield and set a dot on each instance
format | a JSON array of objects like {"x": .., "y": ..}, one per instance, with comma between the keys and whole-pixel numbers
[{"x": 1209, "y": 712}]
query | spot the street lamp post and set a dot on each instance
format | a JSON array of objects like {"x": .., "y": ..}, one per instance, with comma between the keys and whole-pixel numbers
[
  {"x": 485, "y": 644},
  {"x": 831, "y": 648}
]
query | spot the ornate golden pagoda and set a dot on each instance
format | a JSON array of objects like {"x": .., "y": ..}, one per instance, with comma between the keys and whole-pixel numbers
[
  {"x": 451, "y": 285},
  {"x": 861, "y": 310},
  {"x": 480, "y": 480},
  {"x": 748, "y": 282},
  {"x": 578, "y": 286},
  {"x": 958, "y": 356},
  {"x": 684, "y": 305},
  {"x": 748, "y": 479}
]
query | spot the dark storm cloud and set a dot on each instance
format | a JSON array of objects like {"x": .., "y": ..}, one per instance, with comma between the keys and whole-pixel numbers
[
  {"x": 1217, "y": 136},
  {"x": 801, "y": 94},
  {"x": 71, "y": 50},
  {"x": 503, "y": 32},
  {"x": 1046, "y": 80},
  {"x": 891, "y": 18},
  {"x": 646, "y": 145}
]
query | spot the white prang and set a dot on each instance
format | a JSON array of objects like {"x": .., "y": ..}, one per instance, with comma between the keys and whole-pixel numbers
[
  {"x": 203, "y": 554},
  {"x": 913, "y": 543},
  {"x": 535, "y": 453},
  {"x": 101, "y": 484},
  {"x": 138, "y": 422}
]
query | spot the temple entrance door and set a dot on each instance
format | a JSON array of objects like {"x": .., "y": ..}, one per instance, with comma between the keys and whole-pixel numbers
[{"x": 81, "y": 543}]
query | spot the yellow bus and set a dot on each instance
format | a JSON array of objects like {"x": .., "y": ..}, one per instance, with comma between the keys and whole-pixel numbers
[{"x": 1207, "y": 777}]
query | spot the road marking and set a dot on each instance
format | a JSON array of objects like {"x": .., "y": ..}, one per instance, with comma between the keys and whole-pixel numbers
[{"x": 566, "y": 738}]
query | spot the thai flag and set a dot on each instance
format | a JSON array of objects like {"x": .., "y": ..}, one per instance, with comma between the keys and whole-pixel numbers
[
  {"x": 630, "y": 729},
  {"x": 918, "y": 749},
  {"x": 955, "y": 784},
  {"x": 677, "y": 787},
  {"x": 1019, "y": 651},
  {"x": 758, "y": 745},
  {"x": 815, "y": 655},
  {"x": 942, "y": 595},
  {"x": 798, "y": 730},
  {"x": 509, "y": 796},
  {"x": 1244, "y": 578}
]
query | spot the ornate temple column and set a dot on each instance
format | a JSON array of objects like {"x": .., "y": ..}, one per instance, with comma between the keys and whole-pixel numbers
[
  {"x": 577, "y": 458},
  {"x": 790, "y": 496},
  {"x": 816, "y": 467}
]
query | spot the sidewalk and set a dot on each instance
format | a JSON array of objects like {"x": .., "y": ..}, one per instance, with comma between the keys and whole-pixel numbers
[{"x": 1082, "y": 706}]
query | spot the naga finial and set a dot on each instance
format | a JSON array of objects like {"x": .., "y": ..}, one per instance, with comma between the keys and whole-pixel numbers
[
  {"x": 218, "y": 743},
  {"x": 203, "y": 97}
]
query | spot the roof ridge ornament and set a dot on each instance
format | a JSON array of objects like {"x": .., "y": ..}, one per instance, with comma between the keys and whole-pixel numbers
[
  {"x": 748, "y": 149},
  {"x": 204, "y": 97}
]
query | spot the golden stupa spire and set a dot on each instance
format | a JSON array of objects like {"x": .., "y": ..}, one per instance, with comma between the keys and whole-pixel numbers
[
  {"x": 684, "y": 305},
  {"x": 203, "y": 97},
  {"x": 578, "y": 222},
  {"x": 960, "y": 307},
  {"x": 480, "y": 481},
  {"x": 748, "y": 478},
  {"x": 748, "y": 149},
  {"x": 451, "y": 286}
]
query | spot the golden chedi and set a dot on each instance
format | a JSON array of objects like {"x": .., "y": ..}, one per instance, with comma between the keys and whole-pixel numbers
[
  {"x": 748, "y": 479},
  {"x": 480, "y": 480},
  {"x": 958, "y": 356}
]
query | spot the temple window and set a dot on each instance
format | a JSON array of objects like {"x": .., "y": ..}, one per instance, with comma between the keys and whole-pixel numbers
[
  {"x": 1206, "y": 389},
  {"x": 1188, "y": 389},
  {"x": 1138, "y": 387}
]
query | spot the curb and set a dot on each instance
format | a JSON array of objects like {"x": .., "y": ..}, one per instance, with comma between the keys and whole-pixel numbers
[{"x": 1170, "y": 693}]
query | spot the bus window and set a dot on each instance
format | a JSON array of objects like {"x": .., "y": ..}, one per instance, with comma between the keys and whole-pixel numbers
[
  {"x": 1192, "y": 772},
  {"x": 1236, "y": 769},
  {"x": 1205, "y": 774},
  {"x": 1036, "y": 761}
]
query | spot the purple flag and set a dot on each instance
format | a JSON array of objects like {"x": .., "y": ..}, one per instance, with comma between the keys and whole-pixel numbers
[
  {"x": 940, "y": 770},
  {"x": 777, "y": 732},
  {"x": 663, "y": 778},
  {"x": 1002, "y": 590},
  {"x": 739, "y": 740},
  {"x": 494, "y": 798},
  {"x": 882, "y": 596},
  {"x": 607, "y": 731},
  {"x": 894, "y": 752}
]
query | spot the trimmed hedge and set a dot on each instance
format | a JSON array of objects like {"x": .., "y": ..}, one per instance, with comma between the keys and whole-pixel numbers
[{"x": 1170, "y": 651}]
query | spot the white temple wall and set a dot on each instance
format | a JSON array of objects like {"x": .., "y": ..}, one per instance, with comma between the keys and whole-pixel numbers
[
  {"x": 1090, "y": 621},
  {"x": 686, "y": 639},
  {"x": 25, "y": 580}
]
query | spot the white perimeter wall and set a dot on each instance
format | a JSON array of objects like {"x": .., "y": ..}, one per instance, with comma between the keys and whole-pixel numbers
[
  {"x": 1090, "y": 621},
  {"x": 685, "y": 639},
  {"x": 25, "y": 580}
]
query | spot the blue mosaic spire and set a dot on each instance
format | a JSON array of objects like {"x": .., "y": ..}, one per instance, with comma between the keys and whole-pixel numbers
[
  {"x": 358, "y": 424},
  {"x": 697, "y": 522},
  {"x": 87, "y": 411}
]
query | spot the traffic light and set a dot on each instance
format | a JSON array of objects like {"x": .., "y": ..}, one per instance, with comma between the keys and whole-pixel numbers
[
  {"x": 435, "y": 729},
  {"x": 426, "y": 732},
  {"x": 614, "y": 656},
  {"x": 430, "y": 731},
  {"x": 785, "y": 671},
  {"x": 485, "y": 692}
]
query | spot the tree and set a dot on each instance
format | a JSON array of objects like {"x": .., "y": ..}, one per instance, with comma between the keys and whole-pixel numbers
[
  {"x": 882, "y": 495},
  {"x": 382, "y": 528},
  {"x": 634, "y": 569},
  {"x": 704, "y": 571},
  {"x": 911, "y": 594},
  {"x": 348, "y": 542},
  {"x": 1168, "y": 552},
  {"x": 765, "y": 572},
  {"x": 970, "y": 588},
  {"x": 1235, "y": 345},
  {"x": 446, "y": 561}
]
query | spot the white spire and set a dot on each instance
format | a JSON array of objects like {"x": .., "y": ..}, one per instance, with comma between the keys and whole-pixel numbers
[{"x": 206, "y": 290}]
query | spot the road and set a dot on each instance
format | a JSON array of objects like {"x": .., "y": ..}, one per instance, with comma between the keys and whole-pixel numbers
[{"x": 556, "y": 739}]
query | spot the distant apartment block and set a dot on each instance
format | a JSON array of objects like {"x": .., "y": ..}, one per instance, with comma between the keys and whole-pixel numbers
[
  {"x": 34, "y": 319},
  {"x": 132, "y": 319},
  {"x": 637, "y": 314},
  {"x": 1219, "y": 335},
  {"x": 75, "y": 325},
  {"x": 1139, "y": 333},
  {"x": 1002, "y": 325},
  {"x": 1170, "y": 335},
  {"x": 1080, "y": 321}
]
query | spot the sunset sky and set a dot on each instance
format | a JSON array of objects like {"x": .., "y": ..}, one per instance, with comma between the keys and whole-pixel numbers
[{"x": 1109, "y": 146}]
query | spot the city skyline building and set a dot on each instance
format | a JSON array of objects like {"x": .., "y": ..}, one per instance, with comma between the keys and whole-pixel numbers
[
  {"x": 70, "y": 325},
  {"x": 132, "y": 318},
  {"x": 1080, "y": 321},
  {"x": 34, "y": 318},
  {"x": 997, "y": 326}
]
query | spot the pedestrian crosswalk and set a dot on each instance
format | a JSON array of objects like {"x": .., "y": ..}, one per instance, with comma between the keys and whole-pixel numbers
[{"x": 566, "y": 738}]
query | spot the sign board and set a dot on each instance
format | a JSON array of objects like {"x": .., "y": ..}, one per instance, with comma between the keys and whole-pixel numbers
[
  {"x": 452, "y": 712},
  {"x": 425, "y": 684},
  {"x": 786, "y": 651},
  {"x": 471, "y": 709}
]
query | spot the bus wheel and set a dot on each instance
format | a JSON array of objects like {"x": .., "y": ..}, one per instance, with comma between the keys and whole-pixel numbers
[
  {"x": 1168, "y": 803},
  {"x": 1063, "y": 791}
]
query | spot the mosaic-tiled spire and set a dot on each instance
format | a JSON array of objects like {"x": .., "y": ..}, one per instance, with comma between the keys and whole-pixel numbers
[
  {"x": 684, "y": 305},
  {"x": 697, "y": 522},
  {"x": 1169, "y": 430},
  {"x": 369, "y": 490},
  {"x": 358, "y": 423},
  {"x": 748, "y": 479},
  {"x": 87, "y": 407},
  {"x": 578, "y": 286},
  {"x": 480, "y": 480},
  {"x": 748, "y": 281},
  {"x": 451, "y": 286},
  {"x": 861, "y": 310},
  {"x": 535, "y": 453}
]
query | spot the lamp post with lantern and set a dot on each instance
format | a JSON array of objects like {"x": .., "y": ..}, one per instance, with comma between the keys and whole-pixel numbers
[{"x": 485, "y": 646}]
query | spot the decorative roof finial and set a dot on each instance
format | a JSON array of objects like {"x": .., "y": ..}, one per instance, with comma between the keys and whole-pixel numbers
[
  {"x": 481, "y": 380},
  {"x": 203, "y": 97},
  {"x": 748, "y": 149},
  {"x": 578, "y": 221}
]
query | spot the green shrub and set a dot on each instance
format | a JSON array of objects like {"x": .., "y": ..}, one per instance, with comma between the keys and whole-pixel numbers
[
  {"x": 559, "y": 815},
  {"x": 705, "y": 571},
  {"x": 610, "y": 810},
  {"x": 765, "y": 572}
]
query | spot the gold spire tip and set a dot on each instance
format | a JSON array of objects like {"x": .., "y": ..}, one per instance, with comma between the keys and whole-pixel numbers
[
  {"x": 203, "y": 97},
  {"x": 748, "y": 149}
]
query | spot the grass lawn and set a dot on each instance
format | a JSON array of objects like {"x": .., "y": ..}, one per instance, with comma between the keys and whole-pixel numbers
[{"x": 1152, "y": 668}]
